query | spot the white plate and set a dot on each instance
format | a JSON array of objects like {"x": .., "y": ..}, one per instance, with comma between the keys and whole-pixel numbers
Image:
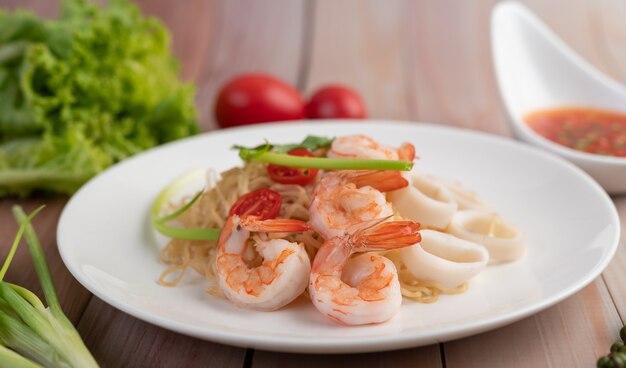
[{"x": 572, "y": 228}]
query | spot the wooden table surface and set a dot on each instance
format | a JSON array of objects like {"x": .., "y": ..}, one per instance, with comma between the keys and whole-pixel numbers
[{"x": 412, "y": 60}]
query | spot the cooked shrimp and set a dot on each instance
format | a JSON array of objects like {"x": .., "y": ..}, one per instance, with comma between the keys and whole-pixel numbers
[
  {"x": 279, "y": 279},
  {"x": 364, "y": 289},
  {"x": 362, "y": 146},
  {"x": 344, "y": 198}
]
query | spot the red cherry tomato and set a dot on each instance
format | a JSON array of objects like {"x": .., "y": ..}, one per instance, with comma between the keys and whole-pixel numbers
[
  {"x": 293, "y": 175},
  {"x": 335, "y": 101},
  {"x": 264, "y": 203},
  {"x": 257, "y": 98}
]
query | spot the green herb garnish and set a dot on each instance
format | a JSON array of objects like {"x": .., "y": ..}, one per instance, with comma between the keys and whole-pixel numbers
[{"x": 311, "y": 142}]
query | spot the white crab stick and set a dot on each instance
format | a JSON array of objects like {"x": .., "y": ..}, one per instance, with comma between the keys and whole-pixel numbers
[
  {"x": 444, "y": 258},
  {"x": 425, "y": 201},
  {"x": 504, "y": 241}
]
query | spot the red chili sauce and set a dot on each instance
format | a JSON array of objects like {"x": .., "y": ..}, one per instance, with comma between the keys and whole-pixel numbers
[{"x": 594, "y": 131}]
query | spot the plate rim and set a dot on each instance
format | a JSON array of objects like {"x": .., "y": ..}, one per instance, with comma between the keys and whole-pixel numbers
[{"x": 335, "y": 345}]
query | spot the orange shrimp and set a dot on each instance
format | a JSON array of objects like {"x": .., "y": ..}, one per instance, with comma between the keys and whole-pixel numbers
[
  {"x": 345, "y": 198},
  {"x": 364, "y": 289},
  {"x": 279, "y": 279},
  {"x": 362, "y": 146}
]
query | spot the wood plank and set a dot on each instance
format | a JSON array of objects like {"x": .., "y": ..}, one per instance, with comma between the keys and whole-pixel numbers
[
  {"x": 119, "y": 340},
  {"x": 192, "y": 28},
  {"x": 72, "y": 295},
  {"x": 449, "y": 66},
  {"x": 425, "y": 357},
  {"x": 589, "y": 27},
  {"x": 574, "y": 333},
  {"x": 607, "y": 20},
  {"x": 251, "y": 37},
  {"x": 361, "y": 44},
  {"x": 43, "y": 8},
  {"x": 615, "y": 274}
]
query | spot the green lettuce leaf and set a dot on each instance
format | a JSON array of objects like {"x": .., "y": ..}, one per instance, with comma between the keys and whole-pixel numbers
[{"x": 82, "y": 92}]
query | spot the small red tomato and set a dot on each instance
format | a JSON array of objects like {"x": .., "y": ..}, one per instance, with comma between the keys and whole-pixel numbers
[
  {"x": 293, "y": 175},
  {"x": 257, "y": 98},
  {"x": 264, "y": 203},
  {"x": 335, "y": 101}
]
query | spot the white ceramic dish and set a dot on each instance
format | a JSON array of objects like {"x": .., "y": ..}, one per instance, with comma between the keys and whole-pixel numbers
[
  {"x": 572, "y": 228},
  {"x": 536, "y": 70}
]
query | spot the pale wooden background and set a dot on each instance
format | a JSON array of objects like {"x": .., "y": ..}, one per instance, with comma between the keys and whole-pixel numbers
[{"x": 411, "y": 60}]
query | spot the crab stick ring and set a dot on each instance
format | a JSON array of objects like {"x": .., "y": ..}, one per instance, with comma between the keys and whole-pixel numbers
[
  {"x": 503, "y": 241},
  {"x": 424, "y": 201},
  {"x": 444, "y": 258}
]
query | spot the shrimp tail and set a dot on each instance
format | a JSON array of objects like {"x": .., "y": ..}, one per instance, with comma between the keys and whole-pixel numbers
[
  {"x": 381, "y": 180},
  {"x": 386, "y": 236},
  {"x": 406, "y": 152},
  {"x": 274, "y": 225}
]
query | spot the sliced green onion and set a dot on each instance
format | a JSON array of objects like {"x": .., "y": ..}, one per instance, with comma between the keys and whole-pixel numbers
[
  {"x": 160, "y": 223},
  {"x": 326, "y": 163}
]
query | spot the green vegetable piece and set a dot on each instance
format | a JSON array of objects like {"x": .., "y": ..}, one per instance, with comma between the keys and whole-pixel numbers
[
  {"x": 605, "y": 362},
  {"x": 160, "y": 223},
  {"x": 49, "y": 325},
  {"x": 622, "y": 334},
  {"x": 619, "y": 359},
  {"x": 617, "y": 346},
  {"x": 247, "y": 153},
  {"x": 274, "y": 154},
  {"x": 330, "y": 163},
  {"x": 16, "y": 242},
  {"x": 9, "y": 358},
  {"x": 311, "y": 142},
  {"x": 84, "y": 91}
]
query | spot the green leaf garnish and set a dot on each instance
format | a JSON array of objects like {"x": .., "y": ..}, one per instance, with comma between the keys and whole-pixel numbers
[
  {"x": 311, "y": 142},
  {"x": 246, "y": 153}
]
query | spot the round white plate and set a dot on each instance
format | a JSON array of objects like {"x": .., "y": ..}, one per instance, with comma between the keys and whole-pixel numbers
[{"x": 572, "y": 230}]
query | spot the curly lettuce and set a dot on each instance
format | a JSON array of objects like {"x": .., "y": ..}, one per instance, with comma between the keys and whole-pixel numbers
[{"x": 84, "y": 91}]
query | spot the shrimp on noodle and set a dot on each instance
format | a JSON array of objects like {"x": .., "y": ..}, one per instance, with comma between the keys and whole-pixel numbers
[
  {"x": 279, "y": 279},
  {"x": 345, "y": 198},
  {"x": 364, "y": 289}
]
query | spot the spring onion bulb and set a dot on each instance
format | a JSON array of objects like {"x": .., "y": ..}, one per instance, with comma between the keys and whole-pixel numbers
[{"x": 32, "y": 335}]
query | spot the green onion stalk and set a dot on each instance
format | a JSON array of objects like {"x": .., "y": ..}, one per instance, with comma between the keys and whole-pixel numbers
[
  {"x": 265, "y": 154},
  {"x": 32, "y": 335}
]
